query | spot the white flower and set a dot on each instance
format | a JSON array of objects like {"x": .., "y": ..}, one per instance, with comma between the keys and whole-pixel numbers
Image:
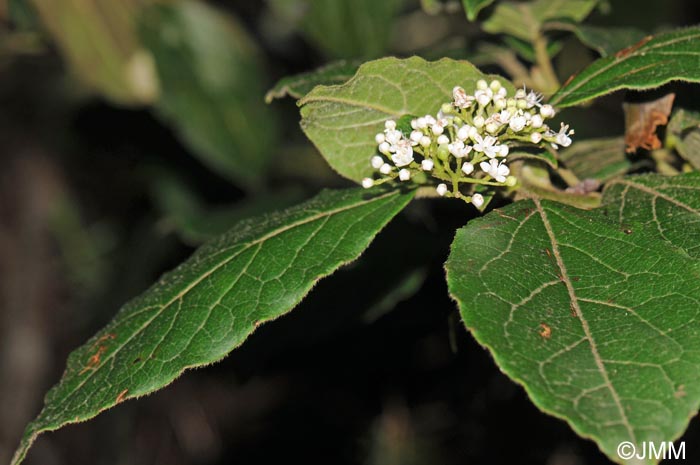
[
  {"x": 376, "y": 162},
  {"x": 483, "y": 96},
  {"x": 496, "y": 170},
  {"x": 385, "y": 148},
  {"x": 416, "y": 136},
  {"x": 403, "y": 153},
  {"x": 468, "y": 168},
  {"x": 404, "y": 175},
  {"x": 461, "y": 99},
  {"x": 463, "y": 132},
  {"x": 390, "y": 125},
  {"x": 536, "y": 137},
  {"x": 379, "y": 138},
  {"x": 547, "y": 111},
  {"x": 485, "y": 145},
  {"x": 385, "y": 168},
  {"x": 441, "y": 189},
  {"x": 367, "y": 183},
  {"x": 532, "y": 99},
  {"x": 425, "y": 141},
  {"x": 477, "y": 200},
  {"x": 562, "y": 137},
  {"x": 456, "y": 147},
  {"x": 393, "y": 136},
  {"x": 443, "y": 139},
  {"x": 427, "y": 165},
  {"x": 504, "y": 116},
  {"x": 517, "y": 123},
  {"x": 537, "y": 121}
]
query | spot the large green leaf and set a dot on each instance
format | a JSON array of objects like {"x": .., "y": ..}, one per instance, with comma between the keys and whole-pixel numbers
[
  {"x": 299, "y": 85},
  {"x": 524, "y": 20},
  {"x": 343, "y": 120},
  {"x": 473, "y": 7},
  {"x": 206, "y": 307},
  {"x": 593, "y": 312},
  {"x": 649, "y": 63},
  {"x": 212, "y": 87}
]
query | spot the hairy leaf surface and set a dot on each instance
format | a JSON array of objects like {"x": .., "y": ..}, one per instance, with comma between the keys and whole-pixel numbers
[
  {"x": 593, "y": 312},
  {"x": 209, "y": 305},
  {"x": 651, "y": 62}
]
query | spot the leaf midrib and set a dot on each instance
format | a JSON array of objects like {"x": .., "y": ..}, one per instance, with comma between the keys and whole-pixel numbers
[
  {"x": 584, "y": 323},
  {"x": 195, "y": 283}
]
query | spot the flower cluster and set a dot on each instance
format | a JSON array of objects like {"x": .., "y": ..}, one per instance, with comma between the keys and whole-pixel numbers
[{"x": 468, "y": 141}]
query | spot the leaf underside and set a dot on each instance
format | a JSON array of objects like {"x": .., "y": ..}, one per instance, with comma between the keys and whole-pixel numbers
[
  {"x": 196, "y": 314},
  {"x": 595, "y": 312},
  {"x": 650, "y": 63}
]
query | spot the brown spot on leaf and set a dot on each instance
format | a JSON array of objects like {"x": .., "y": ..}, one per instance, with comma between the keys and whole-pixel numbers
[
  {"x": 680, "y": 392},
  {"x": 121, "y": 396},
  {"x": 545, "y": 331},
  {"x": 641, "y": 121},
  {"x": 628, "y": 50}
]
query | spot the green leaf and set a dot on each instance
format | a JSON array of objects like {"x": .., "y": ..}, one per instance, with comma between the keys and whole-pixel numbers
[
  {"x": 683, "y": 134},
  {"x": 601, "y": 159},
  {"x": 206, "y": 307},
  {"x": 343, "y": 120},
  {"x": 667, "y": 206},
  {"x": 473, "y": 7},
  {"x": 597, "y": 322},
  {"x": 524, "y": 20},
  {"x": 100, "y": 42},
  {"x": 656, "y": 60},
  {"x": 301, "y": 84},
  {"x": 212, "y": 87},
  {"x": 607, "y": 40}
]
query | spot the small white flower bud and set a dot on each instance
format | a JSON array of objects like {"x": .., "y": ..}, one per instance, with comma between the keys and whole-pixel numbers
[
  {"x": 503, "y": 150},
  {"x": 479, "y": 121},
  {"x": 425, "y": 141},
  {"x": 390, "y": 124},
  {"x": 477, "y": 200},
  {"x": 414, "y": 123},
  {"x": 430, "y": 120},
  {"x": 463, "y": 132},
  {"x": 536, "y": 121},
  {"x": 367, "y": 183},
  {"x": 522, "y": 104},
  {"x": 520, "y": 93},
  {"x": 384, "y": 148},
  {"x": 427, "y": 165},
  {"x": 404, "y": 175},
  {"x": 495, "y": 85},
  {"x": 443, "y": 139},
  {"x": 481, "y": 84},
  {"x": 536, "y": 137},
  {"x": 547, "y": 111},
  {"x": 500, "y": 103},
  {"x": 437, "y": 129},
  {"x": 421, "y": 123},
  {"x": 491, "y": 127},
  {"x": 385, "y": 168},
  {"x": 483, "y": 99},
  {"x": 379, "y": 138},
  {"x": 416, "y": 136},
  {"x": 441, "y": 189},
  {"x": 376, "y": 162},
  {"x": 468, "y": 168},
  {"x": 511, "y": 181},
  {"x": 502, "y": 92}
]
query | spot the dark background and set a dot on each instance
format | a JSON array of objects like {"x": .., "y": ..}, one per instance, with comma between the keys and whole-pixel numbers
[{"x": 344, "y": 379}]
